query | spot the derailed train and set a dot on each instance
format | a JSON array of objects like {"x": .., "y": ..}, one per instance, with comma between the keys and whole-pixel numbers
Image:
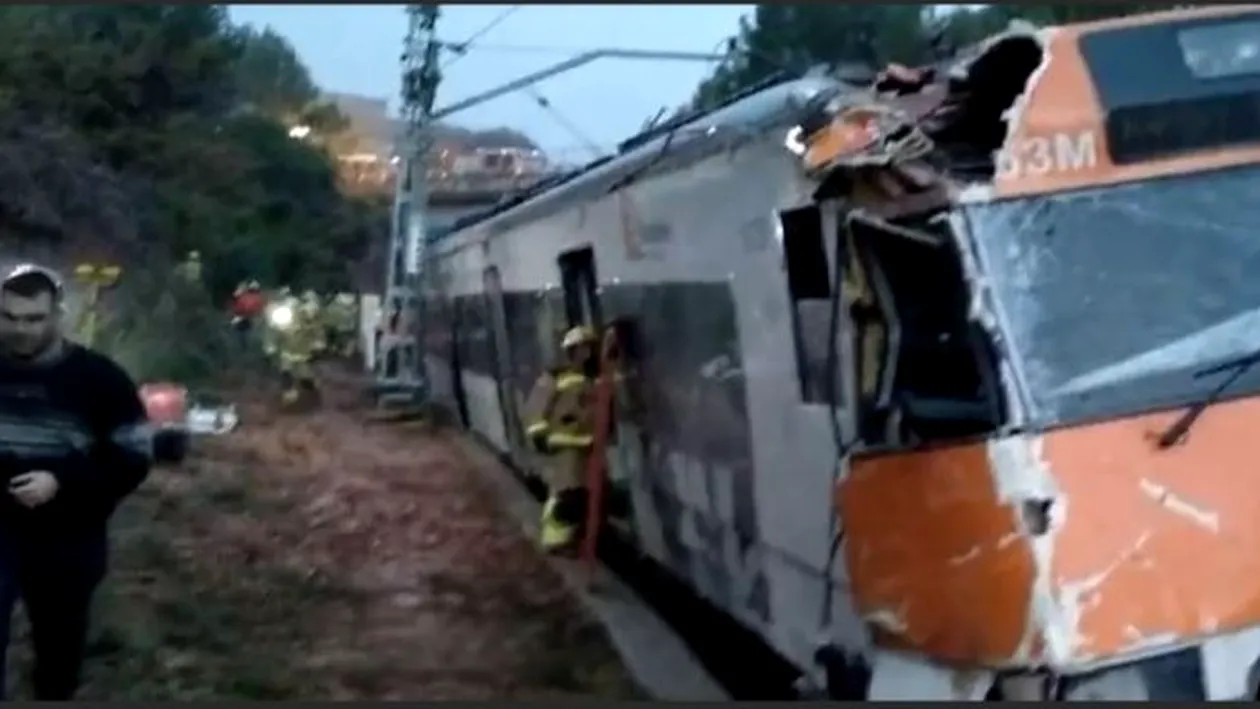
[{"x": 898, "y": 354}]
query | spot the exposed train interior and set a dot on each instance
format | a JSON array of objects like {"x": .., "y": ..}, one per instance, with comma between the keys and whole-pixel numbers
[{"x": 921, "y": 370}]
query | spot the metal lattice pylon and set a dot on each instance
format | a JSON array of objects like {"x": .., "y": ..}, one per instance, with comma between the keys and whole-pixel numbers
[{"x": 397, "y": 364}]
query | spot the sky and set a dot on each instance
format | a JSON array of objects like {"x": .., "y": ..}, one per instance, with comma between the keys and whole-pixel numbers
[{"x": 356, "y": 48}]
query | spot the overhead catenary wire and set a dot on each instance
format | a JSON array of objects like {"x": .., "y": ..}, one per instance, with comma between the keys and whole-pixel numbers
[
  {"x": 496, "y": 47},
  {"x": 729, "y": 44},
  {"x": 462, "y": 49},
  {"x": 590, "y": 145}
]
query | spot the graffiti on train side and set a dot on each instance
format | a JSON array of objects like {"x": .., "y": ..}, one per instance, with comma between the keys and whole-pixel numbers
[{"x": 704, "y": 512}]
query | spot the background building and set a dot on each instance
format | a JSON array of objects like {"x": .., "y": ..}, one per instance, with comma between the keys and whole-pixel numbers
[{"x": 467, "y": 169}]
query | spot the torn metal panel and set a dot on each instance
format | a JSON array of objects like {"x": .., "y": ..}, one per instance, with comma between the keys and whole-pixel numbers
[
  {"x": 1024, "y": 482},
  {"x": 1108, "y": 550},
  {"x": 955, "y": 119},
  {"x": 953, "y": 591},
  {"x": 1078, "y": 556}
]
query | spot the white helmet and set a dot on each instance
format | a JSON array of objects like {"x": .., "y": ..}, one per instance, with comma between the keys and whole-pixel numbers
[{"x": 578, "y": 336}]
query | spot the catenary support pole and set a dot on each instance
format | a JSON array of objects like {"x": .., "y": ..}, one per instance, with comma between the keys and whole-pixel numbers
[{"x": 399, "y": 362}]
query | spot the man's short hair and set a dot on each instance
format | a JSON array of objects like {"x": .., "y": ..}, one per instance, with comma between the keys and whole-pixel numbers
[{"x": 29, "y": 281}]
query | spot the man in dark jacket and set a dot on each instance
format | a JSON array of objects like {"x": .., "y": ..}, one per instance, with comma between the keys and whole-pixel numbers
[{"x": 74, "y": 441}]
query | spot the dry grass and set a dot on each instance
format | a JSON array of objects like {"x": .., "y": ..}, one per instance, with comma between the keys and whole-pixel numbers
[{"x": 314, "y": 557}]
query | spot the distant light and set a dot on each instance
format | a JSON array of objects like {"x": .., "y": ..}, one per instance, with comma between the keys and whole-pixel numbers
[
  {"x": 280, "y": 317},
  {"x": 395, "y": 160},
  {"x": 299, "y": 132}
]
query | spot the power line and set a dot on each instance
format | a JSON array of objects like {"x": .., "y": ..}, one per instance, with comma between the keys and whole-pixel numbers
[
  {"x": 564, "y": 122},
  {"x": 456, "y": 47},
  {"x": 520, "y": 48},
  {"x": 461, "y": 49}
]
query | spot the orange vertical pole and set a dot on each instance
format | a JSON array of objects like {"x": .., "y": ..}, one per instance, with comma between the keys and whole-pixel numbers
[{"x": 597, "y": 461}]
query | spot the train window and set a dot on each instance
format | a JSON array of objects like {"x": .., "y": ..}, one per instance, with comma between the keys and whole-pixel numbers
[
  {"x": 928, "y": 372},
  {"x": 805, "y": 252},
  {"x": 809, "y": 287},
  {"x": 1221, "y": 50}
]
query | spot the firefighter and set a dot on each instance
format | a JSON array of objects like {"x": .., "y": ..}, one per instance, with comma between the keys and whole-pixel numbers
[
  {"x": 561, "y": 414},
  {"x": 248, "y": 302},
  {"x": 190, "y": 269},
  {"x": 293, "y": 343},
  {"x": 342, "y": 327},
  {"x": 310, "y": 322},
  {"x": 281, "y": 314}
]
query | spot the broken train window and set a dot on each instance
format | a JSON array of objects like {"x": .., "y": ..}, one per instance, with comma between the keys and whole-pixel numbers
[
  {"x": 1114, "y": 297},
  {"x": 810, "y": 290},
  {"x": 925, "y": 370}
]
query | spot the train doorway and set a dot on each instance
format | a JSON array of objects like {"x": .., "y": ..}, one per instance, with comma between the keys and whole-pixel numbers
[
  {"x": 581, "y": 291},
  {"x": 583, "y": 306},
  {"x": 502, "y": 359}
]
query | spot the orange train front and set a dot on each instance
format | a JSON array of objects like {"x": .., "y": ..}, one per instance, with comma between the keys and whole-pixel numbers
[
  {"x": 1061, "y": 549},
  {"x": 1109, "y": 524}
]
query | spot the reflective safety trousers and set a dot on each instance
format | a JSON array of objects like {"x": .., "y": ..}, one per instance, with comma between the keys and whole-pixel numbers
[
  {"x": 563, "y": 518},
  {"x": 553, "y": 533},
  {"x": 561, "y": 408}
]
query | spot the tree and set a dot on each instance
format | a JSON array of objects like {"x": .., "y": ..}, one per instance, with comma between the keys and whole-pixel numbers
[
  {"x": 269, "y": 74},
  {"x": 271, "y": 78},
  {"x": 790, "y": 39},
  {"x": 133, "y": 123}
]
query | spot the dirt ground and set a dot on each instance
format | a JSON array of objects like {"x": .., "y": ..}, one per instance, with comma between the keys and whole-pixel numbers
[{"x": 316, "y": 556}]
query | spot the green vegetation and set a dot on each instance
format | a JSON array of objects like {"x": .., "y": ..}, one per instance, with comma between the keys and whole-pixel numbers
[
  {"x": 138, "y": 133},
  {"x": 794, "y": 38}
]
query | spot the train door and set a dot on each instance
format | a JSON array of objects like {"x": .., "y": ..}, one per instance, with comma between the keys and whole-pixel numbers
[
  {"x": 502, "y": 359},
  {"x": 582, "y": 306}
]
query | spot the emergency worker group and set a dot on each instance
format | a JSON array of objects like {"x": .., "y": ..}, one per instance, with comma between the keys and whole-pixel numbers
[
  {"x": 293, "y": 330},
  {"x": 560, "y": 412}
]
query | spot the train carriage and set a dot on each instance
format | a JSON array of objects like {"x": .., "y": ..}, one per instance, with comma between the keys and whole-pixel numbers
[
  {"x": 677, "y": 238},
  {"x": 890, "y": 416}
]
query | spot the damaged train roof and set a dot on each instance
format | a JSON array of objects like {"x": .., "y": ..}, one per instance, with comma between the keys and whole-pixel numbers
[
  {"x": 1034, "y": 111},
  {"x": 1027, "y": 111},
  {"x": 779, "y": 105}
]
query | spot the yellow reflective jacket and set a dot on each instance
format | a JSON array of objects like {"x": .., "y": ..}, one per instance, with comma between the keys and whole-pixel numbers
[{"x": 562, "y": 404}]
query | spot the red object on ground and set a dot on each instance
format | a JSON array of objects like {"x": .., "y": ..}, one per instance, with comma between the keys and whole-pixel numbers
[
  {"x": 597, "y": 462},
  {"x": 164, "y": 402},
  {"x": 248, "y": 304}
]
